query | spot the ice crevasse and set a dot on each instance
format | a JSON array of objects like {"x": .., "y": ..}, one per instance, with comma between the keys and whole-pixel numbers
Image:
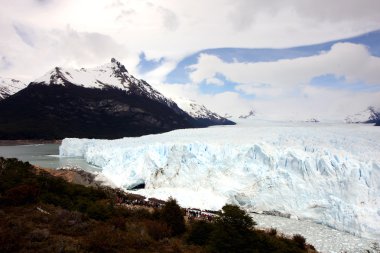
[{"x": 327, "y": 173}]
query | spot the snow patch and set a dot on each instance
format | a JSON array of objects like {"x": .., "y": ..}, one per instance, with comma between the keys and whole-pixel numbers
[
  {"x": 195, "y": 110},
  {"x": 9, "y": 87}
]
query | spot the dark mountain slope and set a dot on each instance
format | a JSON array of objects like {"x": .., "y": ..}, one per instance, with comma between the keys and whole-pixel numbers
[{"x": 58, "y": 111}]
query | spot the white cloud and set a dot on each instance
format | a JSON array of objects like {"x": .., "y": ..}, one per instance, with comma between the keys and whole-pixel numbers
[
  {"x": 320, "y": 103},
  {"x": 350, "y": 61},
  {"x": 32, "y": 56},
  {"x": 170, "y": 19},
  {"x": 311, "y": 102},
  {"x": 158, "y": 75},
  {"x": 226, "y": 102},
  {"x": 249, "y": 13},
  {"x": 143, "y": 26},
  {"x": 214, "y": 81},
  {"x": 282, "y": 88}
]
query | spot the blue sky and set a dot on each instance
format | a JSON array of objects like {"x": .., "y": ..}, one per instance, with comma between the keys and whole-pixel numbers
[
  {"x": 339, "y": 83},
  {"x": 180, "y": 74},
  {"x": 249, "y": 54}
]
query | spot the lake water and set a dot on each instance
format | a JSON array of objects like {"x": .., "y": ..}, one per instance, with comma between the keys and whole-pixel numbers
[{"x": 43, "y": 155}]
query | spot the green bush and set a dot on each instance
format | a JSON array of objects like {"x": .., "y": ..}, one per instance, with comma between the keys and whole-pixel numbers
[
  {"x": 235, "y": 217},
  {"x": 233, "y": 231},
  {"x": 172, "y": 215},
  {"x": 199, "y": 233}
]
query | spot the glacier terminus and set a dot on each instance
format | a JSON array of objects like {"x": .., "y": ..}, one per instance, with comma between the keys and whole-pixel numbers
[{"x": 328, "y": 173}]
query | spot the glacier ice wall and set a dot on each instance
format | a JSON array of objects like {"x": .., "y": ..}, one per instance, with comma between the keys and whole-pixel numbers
[{"x": 324, "y": 172}]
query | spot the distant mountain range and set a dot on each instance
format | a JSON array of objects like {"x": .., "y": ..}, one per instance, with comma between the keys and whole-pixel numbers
[
  {"x": 9, "y": 87},
  {"x": 250, "y": 114},
  {"x": 312, "y": 120},
  {"x": 369, "y": 115},
  {"x": 200, "y": 112},
  {"x": 101, "y": 102}
]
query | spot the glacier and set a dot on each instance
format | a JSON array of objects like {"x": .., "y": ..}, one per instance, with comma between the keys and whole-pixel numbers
[{"x": 328, "y": 173}]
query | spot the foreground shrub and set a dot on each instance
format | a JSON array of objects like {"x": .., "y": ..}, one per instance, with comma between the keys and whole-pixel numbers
[
  {"x": 172, "y": 215},
  {"x": 300, "y": 241},
  {"x": 157, "y": 230},
  {"x": 272, "y": 232},
  {"x": 233, "y": 231},
  {"x": 11, "y": 233},
  {"x": 105, "y": 240},
  {"x": 70, "y": 223},
  {"x": 21, "y": 194},
  {"x": 199, "y": 233}
]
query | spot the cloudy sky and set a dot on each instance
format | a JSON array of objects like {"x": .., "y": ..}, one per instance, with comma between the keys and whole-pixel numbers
[{"x": 209, "y": 50}]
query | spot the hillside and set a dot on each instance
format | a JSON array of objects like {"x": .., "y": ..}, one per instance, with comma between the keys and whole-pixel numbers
[{"x": 55, "y": 112}]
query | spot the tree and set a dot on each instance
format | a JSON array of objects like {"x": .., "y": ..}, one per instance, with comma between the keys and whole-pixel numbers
[
  {"x": 237, "y": 218},
  {"x": 172, "y": 215},
  {"x": 200, "y": 232},
  {"x": 233, "y": 231}
]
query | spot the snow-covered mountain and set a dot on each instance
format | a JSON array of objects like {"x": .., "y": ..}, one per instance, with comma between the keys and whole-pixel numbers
[
  {"x": 200, "y": 112},
  {"x": 250, "y": 114},
  {"x": 115, "y": 75},
  {"x": 102, "y": 102},
  {"x": 111, "y": 75},
  {"x": 327, "y": 173},
  {"x": 227, "y": 116},
  {"x": 312, "y": 120},
  {"x": 369, "y": 115},
  {"x": 9, "y": 87}
]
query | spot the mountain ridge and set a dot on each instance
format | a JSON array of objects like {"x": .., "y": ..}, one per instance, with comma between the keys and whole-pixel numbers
[
  {"x": 101, "y": 102},
  {"x": 369, "y": 115},
  {"x": 9, "y": 86}
]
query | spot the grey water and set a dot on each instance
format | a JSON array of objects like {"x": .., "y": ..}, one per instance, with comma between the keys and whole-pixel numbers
[{"x": 44, "y": 155}]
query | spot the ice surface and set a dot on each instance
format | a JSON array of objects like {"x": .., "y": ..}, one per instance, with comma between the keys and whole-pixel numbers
[
  {"x": 328, "y": 173},
  {"x": 323, "y": 238}
]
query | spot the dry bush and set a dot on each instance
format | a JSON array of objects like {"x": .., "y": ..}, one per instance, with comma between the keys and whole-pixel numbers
[
  {"x": 105, "y": 239},
  {"x": 39, "y": 235},
  {"x": 70, "y": 223},
  {"x": 118, "y": 222},
  {"x": 300, "y": 241},
  {"x": 272, "y": 232},
  {"x": 21, "y": 194},
  {"x": 11, "y": 234},
  {"x": 157, "y": 230}
]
